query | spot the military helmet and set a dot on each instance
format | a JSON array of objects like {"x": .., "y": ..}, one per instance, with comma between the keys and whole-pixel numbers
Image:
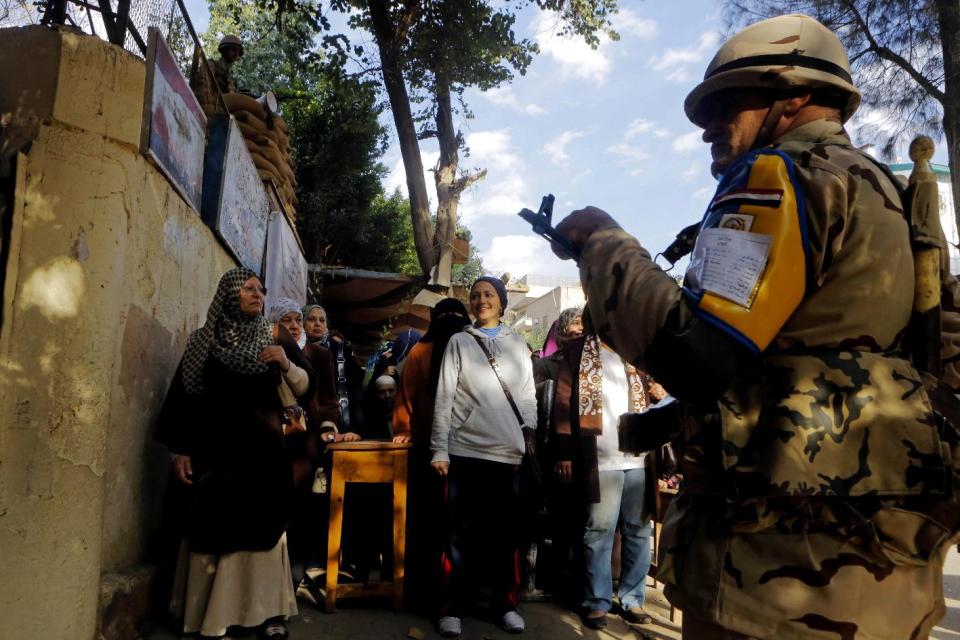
[
  {"x": 780, "y": 53},
  {"x": 230, "y": 41}
]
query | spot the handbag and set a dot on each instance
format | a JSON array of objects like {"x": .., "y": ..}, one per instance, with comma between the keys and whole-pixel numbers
[{"x": 294, "y": 418}]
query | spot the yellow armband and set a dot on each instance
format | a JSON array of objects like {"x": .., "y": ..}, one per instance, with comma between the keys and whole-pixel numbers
[{"x": 748, "y": 270}]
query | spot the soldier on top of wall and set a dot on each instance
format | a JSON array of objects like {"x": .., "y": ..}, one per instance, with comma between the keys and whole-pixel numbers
[
  {"x": 231, "y": 50},
  {"x": 816, "y": 486}
]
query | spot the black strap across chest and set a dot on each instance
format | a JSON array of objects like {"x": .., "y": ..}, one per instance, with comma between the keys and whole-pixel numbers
[{"x": 496, "y": 370}]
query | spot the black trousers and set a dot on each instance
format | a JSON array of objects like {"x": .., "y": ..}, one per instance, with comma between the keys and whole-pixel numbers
[{"x": 484, "y": 533}]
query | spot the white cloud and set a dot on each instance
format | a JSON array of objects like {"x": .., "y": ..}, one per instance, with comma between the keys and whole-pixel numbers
[
  {"x": 504, "y": 96},
  {"x": 556, "y": 148},
  {"x": 504, "y": 191},
  {"x": 688, "y": 141},
  {"x": 642, "y": 126},
  {"x": 628, "y": 23},
  {"x": 628, "y": 152},
  {"x": 575, "y": 57},
  {"x": 674, "y": 62},
  {"x": 519, "y": 254}
]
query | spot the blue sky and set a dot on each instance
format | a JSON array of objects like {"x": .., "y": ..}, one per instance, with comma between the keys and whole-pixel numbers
[{"x": 600, "y": 127}]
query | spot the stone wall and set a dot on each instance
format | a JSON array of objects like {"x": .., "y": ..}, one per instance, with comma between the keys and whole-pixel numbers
[{"x": 109, "y": 270}]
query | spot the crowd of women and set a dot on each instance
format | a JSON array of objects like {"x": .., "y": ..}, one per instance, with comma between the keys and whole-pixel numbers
[{"x": 513, "y": 457}]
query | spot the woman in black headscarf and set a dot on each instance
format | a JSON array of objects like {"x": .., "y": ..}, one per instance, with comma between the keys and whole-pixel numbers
[{"x": 222, "y": 421}]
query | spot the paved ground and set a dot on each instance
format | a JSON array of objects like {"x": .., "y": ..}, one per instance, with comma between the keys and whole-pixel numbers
[{"x": 544, "y": 621}]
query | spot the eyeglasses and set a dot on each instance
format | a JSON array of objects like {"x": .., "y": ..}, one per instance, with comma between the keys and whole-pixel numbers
[{"x": 253, "y": 290}]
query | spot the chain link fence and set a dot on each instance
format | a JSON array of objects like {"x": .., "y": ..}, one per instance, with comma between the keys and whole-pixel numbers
[{"x": 126, "y": 23}]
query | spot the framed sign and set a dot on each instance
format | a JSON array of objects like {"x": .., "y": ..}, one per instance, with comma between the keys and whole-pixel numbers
[
  {"x": 174, "y": 129},
  {"x": 285, "y": 272},
  {"x": 235, "y": 203}
]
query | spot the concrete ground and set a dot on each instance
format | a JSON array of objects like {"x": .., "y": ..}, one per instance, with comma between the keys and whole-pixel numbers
[
  {"x": 362, "y": 620},
  {"x": 545, "y": 621}
]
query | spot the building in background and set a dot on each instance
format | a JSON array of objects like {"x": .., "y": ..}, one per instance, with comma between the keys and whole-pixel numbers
[
  {"x": 532, "y": 313},
  {"x": 948, "y": 219}
]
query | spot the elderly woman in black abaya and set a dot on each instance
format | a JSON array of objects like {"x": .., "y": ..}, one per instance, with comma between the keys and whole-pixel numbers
[{"x": 222, "y": 421}]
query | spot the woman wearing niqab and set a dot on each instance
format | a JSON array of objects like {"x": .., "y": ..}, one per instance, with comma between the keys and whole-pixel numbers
[{"x": 222, "y": 421}]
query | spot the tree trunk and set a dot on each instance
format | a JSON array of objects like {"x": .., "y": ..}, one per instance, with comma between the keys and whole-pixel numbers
[
  {"x": 445, "y": 177},
  {"x": 393, "y": 81},
  {"x": 949, "y": 18}
]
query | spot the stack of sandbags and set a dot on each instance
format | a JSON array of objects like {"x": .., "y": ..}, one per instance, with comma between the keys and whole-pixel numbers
[{"x": 267, "y": 138}]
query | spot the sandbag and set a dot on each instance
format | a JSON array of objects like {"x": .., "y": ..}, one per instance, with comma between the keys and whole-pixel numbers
[
  {"x": 242, "y": 102},
  {"x": 252, "y": 120}
]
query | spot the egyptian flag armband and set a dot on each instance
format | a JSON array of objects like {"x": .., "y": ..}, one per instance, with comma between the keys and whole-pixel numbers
[{"x": 748, "y": 270}]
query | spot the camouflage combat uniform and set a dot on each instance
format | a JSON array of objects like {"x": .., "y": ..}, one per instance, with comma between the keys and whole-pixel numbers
[
  {"x": 224, "y": 76},
  {"x": 812, "y": 504}
]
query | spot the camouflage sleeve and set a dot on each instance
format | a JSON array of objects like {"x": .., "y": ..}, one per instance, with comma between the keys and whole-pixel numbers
[{"x": 628, "y": 295}]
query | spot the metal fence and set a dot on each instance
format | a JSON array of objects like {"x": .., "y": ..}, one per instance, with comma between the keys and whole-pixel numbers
[{"x": 121, "y": 22}]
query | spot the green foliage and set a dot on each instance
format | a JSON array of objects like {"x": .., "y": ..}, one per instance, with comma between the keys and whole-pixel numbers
[
  {"x": 457, "y": 44},
  {"x": 344, "y": 215}
]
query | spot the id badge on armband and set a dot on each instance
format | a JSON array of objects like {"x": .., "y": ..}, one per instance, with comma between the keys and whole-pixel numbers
[{"x": 748, "y": 270}]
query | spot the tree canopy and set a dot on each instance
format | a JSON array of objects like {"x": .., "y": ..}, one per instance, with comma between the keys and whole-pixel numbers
[
  {"x": 428, "y": 53},
  {"x": 344, "y": 215}
]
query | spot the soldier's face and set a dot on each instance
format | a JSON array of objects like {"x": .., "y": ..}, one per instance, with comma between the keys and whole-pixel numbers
[
  {"x": 734, "y": 122},
  {"x": 231, "y": 54}
]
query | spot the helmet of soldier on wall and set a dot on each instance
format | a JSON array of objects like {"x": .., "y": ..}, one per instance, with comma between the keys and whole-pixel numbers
[
  {"x": 230, "y": 41},
  {"x": 781, "y": 53}
]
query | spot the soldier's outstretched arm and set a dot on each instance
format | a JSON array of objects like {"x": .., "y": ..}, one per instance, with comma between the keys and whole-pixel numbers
[{"x": 638, "y": 310}]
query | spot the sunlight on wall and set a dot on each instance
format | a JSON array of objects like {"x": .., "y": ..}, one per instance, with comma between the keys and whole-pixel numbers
[{"x": 56, "y": 289}]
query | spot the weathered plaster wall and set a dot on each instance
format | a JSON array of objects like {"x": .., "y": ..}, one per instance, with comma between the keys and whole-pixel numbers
[{"x": 109, "y": 271}]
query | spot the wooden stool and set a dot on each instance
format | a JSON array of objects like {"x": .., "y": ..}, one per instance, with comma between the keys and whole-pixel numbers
[{"x": 368, "y": 461}]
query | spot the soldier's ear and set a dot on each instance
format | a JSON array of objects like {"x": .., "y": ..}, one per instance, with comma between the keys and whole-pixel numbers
[{"x": 793, "y": 104}]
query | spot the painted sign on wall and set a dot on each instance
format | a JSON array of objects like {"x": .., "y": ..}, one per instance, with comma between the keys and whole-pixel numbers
[
  {"x": 235, "y": 203},
  {"x": 285, "y": 273},
  {"x": 173, "y": 134}
]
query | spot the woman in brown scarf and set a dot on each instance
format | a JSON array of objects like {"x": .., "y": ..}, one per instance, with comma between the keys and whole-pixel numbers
[
  {"x": 222, "y": 422},
  {"x": 593, "y": 387}
]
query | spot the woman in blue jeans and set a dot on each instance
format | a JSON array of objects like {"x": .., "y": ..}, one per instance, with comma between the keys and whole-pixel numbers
[{"x": 595, "y": 386}]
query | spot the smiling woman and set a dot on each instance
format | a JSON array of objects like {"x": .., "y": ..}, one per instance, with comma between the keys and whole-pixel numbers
[{"x": 485, "y": 415}]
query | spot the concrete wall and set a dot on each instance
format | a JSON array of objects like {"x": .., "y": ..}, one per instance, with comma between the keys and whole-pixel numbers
[{"x": 109, "y": 271}]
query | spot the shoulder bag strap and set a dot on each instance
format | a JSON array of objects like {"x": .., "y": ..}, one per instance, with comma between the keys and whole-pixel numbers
[
  {"x": 496, "y": 371},
  {"x": 343, "y": 392}
]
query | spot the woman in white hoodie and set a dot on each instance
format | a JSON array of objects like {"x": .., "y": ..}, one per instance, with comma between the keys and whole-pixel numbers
[{"x": 484, "y": 423}]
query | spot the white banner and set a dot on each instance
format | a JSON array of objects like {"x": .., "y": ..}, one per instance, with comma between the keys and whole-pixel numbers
[{"x": 285, "y": 268}]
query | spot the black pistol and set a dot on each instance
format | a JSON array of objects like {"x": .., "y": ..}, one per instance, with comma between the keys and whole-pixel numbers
[{"x": 542, "y": 223}]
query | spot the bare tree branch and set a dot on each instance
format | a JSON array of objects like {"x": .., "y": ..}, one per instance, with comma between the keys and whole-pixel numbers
[{"x": 891, "y": 56}]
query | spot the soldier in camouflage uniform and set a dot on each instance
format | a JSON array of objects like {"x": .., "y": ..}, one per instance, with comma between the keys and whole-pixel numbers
[
  {"x": 231, "y": 50},
  {"x": 817, "y": 488}
]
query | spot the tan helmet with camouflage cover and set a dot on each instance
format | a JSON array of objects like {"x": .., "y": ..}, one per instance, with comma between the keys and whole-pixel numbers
[
  {"x": 779, "y": 53},
  {"x": 230, "y": 41}
]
